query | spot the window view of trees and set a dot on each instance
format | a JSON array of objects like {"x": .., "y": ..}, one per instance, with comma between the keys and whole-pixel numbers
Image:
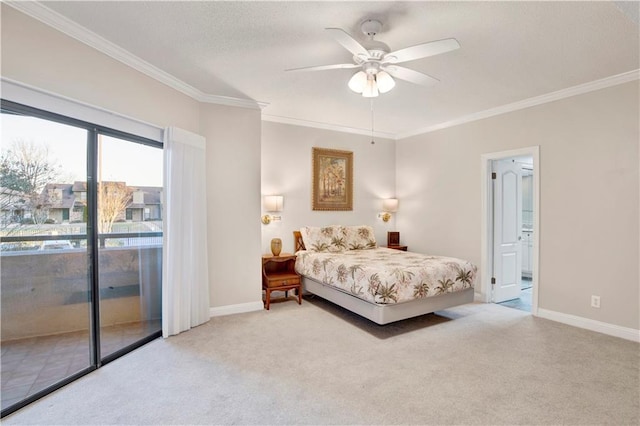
[
  {"x": 43, "y": 189},
  {"x": 47, "y": 283},
  {"x": 25, "y": 169},
  {"x": 113, "y": 199}
]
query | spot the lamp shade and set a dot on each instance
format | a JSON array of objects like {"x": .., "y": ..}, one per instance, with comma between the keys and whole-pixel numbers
[
  {"x": 390, "y": 205},
  {"x": 371, "y": 88},
  {"x": 273, "y": 203},
  {"x": 358, "y": 81},
  {"x": 385, "y": 82}
]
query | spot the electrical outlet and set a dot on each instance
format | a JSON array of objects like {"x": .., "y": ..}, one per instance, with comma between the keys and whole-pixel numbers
[{"x": 595, "y": 301}]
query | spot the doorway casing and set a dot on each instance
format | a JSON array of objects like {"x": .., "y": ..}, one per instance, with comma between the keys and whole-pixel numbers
[{"x": 486, "y": 237}]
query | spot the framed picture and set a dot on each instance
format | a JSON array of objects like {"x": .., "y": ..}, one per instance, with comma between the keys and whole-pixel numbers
[{"x": 332, "y": 182}]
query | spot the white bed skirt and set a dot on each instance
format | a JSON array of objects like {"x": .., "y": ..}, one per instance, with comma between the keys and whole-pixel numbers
[{"x": 385, "y": 314}]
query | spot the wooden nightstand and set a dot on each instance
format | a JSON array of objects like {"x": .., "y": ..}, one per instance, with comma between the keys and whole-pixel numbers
[
  {"x": 279, "y": 274},
  {"x": 396, "y": 247}
]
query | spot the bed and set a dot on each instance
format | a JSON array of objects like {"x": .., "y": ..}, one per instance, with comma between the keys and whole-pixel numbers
[{"x": 344, "y": 265}]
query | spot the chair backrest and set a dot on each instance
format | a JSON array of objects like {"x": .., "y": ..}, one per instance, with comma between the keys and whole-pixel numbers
[
  {"x": 297, "y": 241},
  {"x": 393, "y": 238}
]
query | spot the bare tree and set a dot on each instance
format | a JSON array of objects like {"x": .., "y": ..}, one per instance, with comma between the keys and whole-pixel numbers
[
  {"x": 25, "y": 167},
  {"x": 12, "y": 202},
  {"x": 113, "y": 199}
]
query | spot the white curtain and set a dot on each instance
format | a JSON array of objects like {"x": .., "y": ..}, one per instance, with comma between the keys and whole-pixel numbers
[{"x": 185, "y": 279}]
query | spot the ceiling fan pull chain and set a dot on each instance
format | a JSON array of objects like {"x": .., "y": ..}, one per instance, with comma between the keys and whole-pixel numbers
[{"x": 372, "y": 141}]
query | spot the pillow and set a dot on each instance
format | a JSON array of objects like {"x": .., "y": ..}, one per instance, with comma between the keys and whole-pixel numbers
[
  {"x": 328, "y": 238},
  {"x": 360, "y": 237}
]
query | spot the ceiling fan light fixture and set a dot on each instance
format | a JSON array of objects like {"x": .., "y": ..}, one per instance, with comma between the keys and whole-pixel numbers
[
  {"x": 373, "y": 56},
  {"x": 371, "y": 88},
  {"x": 358, "y": 82},
  {"x": 384, "y": 81}
]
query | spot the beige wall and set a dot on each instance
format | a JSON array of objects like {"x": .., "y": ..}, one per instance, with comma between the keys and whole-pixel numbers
[
  {"x": 589, "y": 196},
  {"x": 589, "y": 176},
  {"x": 37, "y": 55},
  {"x": 286, "y": 170},
  {"x": 233, "y": 186}
]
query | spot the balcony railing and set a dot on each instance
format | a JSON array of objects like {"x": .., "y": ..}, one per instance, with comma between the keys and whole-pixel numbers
[
  {"x": 121, "y": 239},
  {"x": 46, "y": 291}
]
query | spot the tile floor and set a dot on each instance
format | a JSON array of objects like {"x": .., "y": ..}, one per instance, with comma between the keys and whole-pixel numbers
[
  {"x": 523, "y": 303},
  {"x": 31, "y": 365}
]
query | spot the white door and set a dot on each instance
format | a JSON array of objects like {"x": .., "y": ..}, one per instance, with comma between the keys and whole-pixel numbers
[{"x": 507, "y": 230}]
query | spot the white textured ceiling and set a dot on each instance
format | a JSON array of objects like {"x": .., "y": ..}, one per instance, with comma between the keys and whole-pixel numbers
[{"x": 510, "y": 51}]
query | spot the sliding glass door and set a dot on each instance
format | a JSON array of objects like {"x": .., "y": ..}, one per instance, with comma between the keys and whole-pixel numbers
[
  {"x": 45, "y": 281},
  {"x": 130, "y": 242},
  {"x": 81, "y": 249}
]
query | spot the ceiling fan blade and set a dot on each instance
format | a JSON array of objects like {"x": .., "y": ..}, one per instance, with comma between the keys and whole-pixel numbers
[
  {"x": 421, "y": 51},
  {"x": 410, "y": 75},
  {"x": 348, "y": 42},
  {"x": 325, "y": 67}
]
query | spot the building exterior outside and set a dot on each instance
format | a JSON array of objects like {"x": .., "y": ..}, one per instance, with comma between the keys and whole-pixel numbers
[
  {"x": 146, "y": 204},
  {"x": 13, "y": 205},
  {"x": 66, "y": 203}
]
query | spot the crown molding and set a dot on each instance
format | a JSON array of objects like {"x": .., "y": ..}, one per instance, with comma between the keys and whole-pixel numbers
[
  {"x": 49, "y": 17},
  {"x": 480, "y": 115},
  {"x": 527, "y": 103},
  {"x": 53, "y": 19},
  {"x": 326, "y": 126},
  {"x": 230, "y": 101}
]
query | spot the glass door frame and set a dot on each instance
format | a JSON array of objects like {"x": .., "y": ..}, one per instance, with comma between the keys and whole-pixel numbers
[{"x": 96, "y": 360}]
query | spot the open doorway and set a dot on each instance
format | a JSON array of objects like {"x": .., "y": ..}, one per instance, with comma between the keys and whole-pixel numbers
[
  {"x": 522, "y": 198},
  {"x": 511, "y": 228}
]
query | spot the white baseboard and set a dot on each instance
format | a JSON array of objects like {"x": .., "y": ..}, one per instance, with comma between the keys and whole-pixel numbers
[
  {"x": 236, "y": 309},
  {"x": 593, "y": 325},
  {"x": 479, "y": 297},
  {"x": 573, "y": 320}
]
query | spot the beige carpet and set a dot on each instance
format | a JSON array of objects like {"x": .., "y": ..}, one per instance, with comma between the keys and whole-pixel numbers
[{"x": 317, "y": 364}]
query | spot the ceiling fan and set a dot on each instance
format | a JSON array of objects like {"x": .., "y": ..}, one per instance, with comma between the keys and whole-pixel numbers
[{"x": 378, "y": 64}]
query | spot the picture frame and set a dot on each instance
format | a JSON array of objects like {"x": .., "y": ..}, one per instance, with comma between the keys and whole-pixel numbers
[{"x": 332, "y": 180}]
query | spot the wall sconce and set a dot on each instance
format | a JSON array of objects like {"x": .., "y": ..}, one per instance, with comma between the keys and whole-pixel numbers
[
  {"x": 272, "y": 203},
  {"x": 389, "y": 206}
]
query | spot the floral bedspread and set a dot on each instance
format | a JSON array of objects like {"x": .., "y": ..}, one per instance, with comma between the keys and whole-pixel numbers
[{"x": 387, "y": 276}]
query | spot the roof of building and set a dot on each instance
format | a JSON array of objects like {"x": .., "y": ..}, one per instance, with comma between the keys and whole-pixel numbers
[
  {"x": 49, "y": 198},
  {"x": 57, "y": 195},
  {"x": 79, "y": 186},
  {"x": 152, "y": 194}
]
